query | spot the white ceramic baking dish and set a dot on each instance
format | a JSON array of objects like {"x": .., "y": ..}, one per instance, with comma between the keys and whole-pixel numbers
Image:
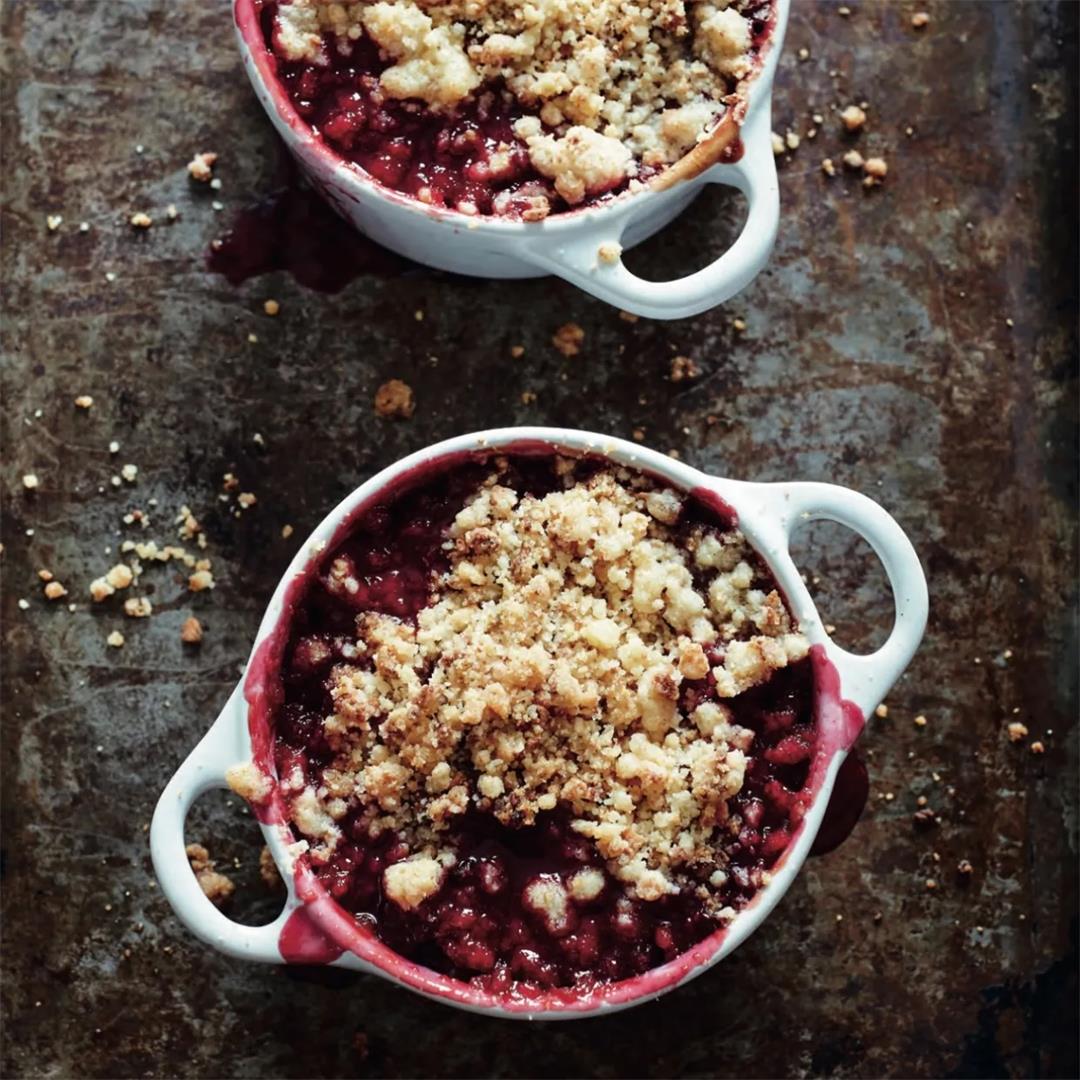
[
  {"x": 565, "y": 244},
  {"x": 313, "y": 928}
]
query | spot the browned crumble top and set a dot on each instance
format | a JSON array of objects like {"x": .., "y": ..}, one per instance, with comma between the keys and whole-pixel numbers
[
  {"x": 612, "y": 82},
  {"x": 546, "y": 671}
]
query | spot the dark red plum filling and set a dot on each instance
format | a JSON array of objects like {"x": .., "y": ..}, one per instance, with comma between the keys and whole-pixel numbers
[{"x": 478, "y": 926}]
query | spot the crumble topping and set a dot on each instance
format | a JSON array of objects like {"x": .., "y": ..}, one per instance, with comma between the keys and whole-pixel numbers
[
  {"x": 1017, "y": 731},
  {"x": 609, "y": 252},
  {"x": 411, "y": 882},
  {"x": 249, "y": 782},
  {"x": 268, "y": 870},
  {"x": 608, "y": 84},
  {"x": 547, "y": 671}
]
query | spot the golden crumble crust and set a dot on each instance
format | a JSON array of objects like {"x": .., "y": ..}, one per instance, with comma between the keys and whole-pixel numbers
[{"x": 547, "y": 671}]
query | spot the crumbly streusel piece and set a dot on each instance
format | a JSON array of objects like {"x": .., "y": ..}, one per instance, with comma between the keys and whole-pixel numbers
[{"x": 215, "y": 886}]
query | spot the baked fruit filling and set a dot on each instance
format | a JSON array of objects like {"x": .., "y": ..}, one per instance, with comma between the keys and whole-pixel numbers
[
  {"x": 492, "y": 107},
  {"x": 544, "y": 722}
]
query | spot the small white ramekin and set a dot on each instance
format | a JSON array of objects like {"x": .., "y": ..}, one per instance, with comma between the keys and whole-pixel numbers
[
  {"x": 313, "y": 928},
  {"x": 565, "y": 244}
]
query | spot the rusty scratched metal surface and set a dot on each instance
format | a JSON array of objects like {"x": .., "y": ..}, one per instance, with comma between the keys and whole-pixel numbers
[{"x": 877, "y": 353}]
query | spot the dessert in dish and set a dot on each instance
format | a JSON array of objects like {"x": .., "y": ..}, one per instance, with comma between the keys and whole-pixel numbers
[
  {"x": 490, "y": 107},
  {"x": 543, "y": 721}
]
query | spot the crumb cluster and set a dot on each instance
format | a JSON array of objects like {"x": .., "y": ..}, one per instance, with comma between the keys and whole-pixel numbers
[
  {"x": 547, "y": 671},
  {"x": 216, "y": 886},
  {"x": 394, "y": 399},
  {"x": 607, "y": 84}
]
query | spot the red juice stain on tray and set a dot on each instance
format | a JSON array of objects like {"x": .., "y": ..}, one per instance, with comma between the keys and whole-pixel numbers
[{"x": 293, "y": 229}]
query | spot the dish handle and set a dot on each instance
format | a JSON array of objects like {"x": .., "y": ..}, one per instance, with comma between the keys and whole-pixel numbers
[
  {"x": 202, "y": 771},
  {"x": 865, "y": 679},
  {"x": 579, "y": 259}
]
